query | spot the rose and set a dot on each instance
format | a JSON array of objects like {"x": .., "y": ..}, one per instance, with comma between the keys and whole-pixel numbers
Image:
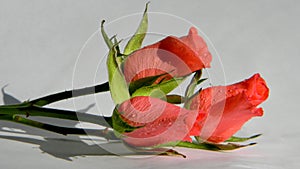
[
  {"x": 214, "y": 115},
  {"x": 176, "y": 56},
  {"x": 160, "y": 122},
  {"x": 227, "y": 108},
  {"x": 155, "y": 121}
]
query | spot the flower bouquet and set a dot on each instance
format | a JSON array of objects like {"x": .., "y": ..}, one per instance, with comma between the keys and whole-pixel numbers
[{"x": 147, "y": 117}]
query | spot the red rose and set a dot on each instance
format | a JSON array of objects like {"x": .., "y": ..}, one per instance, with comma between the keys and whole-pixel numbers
[
  {"x": 176, "y": 56},
  {"x": 215, "y": 114},
  {"x": 160, "y": 122},
  {"x": 228, "y": 108}
]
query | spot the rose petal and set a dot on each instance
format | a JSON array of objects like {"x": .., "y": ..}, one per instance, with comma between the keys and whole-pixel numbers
[
  {"x": 160, "y": 122},
  {"x": 194, "y": 41},
  {"x": 177, "y": 56}
]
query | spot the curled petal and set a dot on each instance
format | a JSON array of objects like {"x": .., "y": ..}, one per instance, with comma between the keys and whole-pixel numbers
[
  {"x": 255, "y": 87},
  {"x": 194, "y": 41}
]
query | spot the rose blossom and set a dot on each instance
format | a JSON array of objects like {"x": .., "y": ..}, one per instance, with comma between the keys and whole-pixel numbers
[
  {"x": 228, "y": 108},
  {"x": 176, "y": 56}
]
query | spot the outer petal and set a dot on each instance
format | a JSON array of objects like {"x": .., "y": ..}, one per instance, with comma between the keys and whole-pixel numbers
[
  {"x": 145, "y": 62},
  {"x": 228, "y": 108},
  {"x": 160, "y": 122},
  {"x": 177, "y": 56}
]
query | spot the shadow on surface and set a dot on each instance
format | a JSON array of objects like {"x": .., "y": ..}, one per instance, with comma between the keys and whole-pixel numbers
[
  {"x": 62, "y": 148},
  {"x": 7, "y": 98},
  {"x": 59, "y": 146}
]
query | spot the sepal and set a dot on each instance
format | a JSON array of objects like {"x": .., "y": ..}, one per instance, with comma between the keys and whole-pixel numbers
[
  {"x": 136, "y": 40},
  {"x": 159, "y": 90},
  {"x": 119, "y": 125},
  {"x": 242, "y": 139},
  {"x": 117, "y": 84},
  {"x": 147, "y": 81},
  {"x": 205, "y": 145}
]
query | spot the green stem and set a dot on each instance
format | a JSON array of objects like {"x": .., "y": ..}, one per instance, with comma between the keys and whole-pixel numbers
[
  {"x": 58, "y": 129},
  {"x": 55, "y": 113},
  {"x": 33, "y": 108},
  {"x": 70, "y": 94}
]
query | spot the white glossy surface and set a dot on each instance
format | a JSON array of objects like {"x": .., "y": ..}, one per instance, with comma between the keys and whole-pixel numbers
[{"x": 40, "y": 40}]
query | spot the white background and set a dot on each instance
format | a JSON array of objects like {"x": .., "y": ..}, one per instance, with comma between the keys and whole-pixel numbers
[{"x": 40, "y": 41}]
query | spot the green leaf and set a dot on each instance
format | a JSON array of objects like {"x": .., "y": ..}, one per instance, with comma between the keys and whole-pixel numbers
[
  {"x": 107, "y": 40},
  {"x": 137, "y": 39},
  {"x": 117, "y": 84},
  {"x": 147, "y": 81},
  {"x": 159, "y": 90},
  {"x": 119, "y": 125},
  {"x": 242, "y": 139}
]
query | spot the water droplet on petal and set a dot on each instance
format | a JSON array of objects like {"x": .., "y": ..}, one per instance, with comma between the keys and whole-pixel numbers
[
  {"x": 153, "y": 129},
  {"x": 132, "y": 116},
  {"x": 214, "y": 101}
]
